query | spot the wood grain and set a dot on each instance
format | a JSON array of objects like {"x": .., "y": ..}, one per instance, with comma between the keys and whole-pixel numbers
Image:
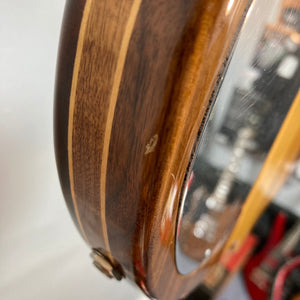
[
  {"x": 107, "y": 21},
  {"x": 82, "y": 32},
  {"x": 145, "y": 75},
  {"x": 64, "y": 77},
  {"x": 111, "y": 111}
]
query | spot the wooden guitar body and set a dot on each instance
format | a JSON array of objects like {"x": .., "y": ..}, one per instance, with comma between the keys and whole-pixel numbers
[{"x": 135, "y": 81}]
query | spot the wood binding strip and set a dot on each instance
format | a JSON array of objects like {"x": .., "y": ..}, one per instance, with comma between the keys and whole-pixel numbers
[
  {"x": 80, "y": 43},
  {"x": 74, "y": 100},
  {"x": 111, "y": 111}
]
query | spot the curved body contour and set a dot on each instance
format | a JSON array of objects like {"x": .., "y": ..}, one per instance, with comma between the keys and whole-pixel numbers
[{"x": 135, "y": 80}]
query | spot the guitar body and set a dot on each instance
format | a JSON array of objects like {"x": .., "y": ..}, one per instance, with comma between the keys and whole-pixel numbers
[{"x": 135, "y": 81}]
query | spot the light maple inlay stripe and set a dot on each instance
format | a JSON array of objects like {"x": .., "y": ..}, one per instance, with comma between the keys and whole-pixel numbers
[
  {"x": 82, "y": 32},
  {"x": 273, "y": 175},
  {"x": 111, "y": 111}
]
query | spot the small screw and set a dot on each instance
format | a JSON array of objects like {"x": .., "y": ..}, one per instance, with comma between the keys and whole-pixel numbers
[{"x": 103, "y": 264}]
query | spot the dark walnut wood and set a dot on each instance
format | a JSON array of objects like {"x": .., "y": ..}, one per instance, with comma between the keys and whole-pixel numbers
[{"x": 134, "y": 84}]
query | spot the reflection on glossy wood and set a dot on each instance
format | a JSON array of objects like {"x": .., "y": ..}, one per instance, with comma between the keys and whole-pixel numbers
[
  {"x": 278, "y": 166},
  {"x": 142, "y": 79}
]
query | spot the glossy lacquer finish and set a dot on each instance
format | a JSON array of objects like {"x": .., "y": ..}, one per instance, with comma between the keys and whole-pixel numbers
[
  {"x": 134, "y": 84},
  {"x": 261, "y": 83}
]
